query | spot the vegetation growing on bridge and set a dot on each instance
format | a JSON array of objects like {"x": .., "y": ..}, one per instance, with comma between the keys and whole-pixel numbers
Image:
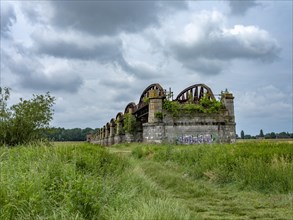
[
  {"x": 205, "y": 105},
  {"x": 129, "y": 123}
]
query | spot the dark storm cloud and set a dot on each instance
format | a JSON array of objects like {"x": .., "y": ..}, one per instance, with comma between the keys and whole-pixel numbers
[
  {"x": 240, "y": 7},
  {"x": 139, "y": 71},
  {"x": 206, "y": 66},
  {"x": 226, "y": 48},
  {"x": 32, "y": 74},
  {"x": 109, "y": 17},
  {"x": 89, "y": 30},
  {"x": 8, "y": 18},
  {"x": 104, "y": 50},
  {"x": 101, "y": 50},
  {"x": 62, "y": 81}
]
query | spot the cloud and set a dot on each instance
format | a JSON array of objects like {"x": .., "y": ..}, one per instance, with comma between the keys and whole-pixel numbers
[
  {"x": 37, "y": 11},
  {"x": 77, "y": 46},
  {"x": 57, "y": 81},
  {"x": 266, "y": 102},
  {"x": 268, "y": 108},
  {"x": 109, "y": 17},
  {"x": 208, "y": 46},
  {"x": 35, "y": 75},
  {"x": 239, "y": 7},
  {"x": 8, "y": 18},
  {"x": 74, "y": 31}
]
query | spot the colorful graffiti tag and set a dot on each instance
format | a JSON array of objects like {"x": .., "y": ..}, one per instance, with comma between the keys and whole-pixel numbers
[{"x": 195, "y": 139}]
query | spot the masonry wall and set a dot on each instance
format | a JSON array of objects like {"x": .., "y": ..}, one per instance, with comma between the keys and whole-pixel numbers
[{"x": 191, "y": 129}]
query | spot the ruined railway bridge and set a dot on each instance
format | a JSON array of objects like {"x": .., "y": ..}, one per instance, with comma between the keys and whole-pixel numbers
[{"x": 149, "y": 121}]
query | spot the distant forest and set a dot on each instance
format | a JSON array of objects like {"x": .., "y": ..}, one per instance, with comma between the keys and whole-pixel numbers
[
  {"x": 74, "y": 134},
  {"x": 261, "y": 135},
  {"x": 78, "y": 134}
]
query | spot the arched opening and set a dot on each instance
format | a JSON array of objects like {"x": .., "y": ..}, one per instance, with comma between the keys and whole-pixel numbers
[
  {"x": 142, "y": 110},
  {"x": 119, "y": 124},
  {"x": 195, "y": 93}
]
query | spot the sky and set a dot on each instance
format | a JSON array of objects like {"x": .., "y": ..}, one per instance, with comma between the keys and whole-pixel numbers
[{"x": 95, "y": 57}]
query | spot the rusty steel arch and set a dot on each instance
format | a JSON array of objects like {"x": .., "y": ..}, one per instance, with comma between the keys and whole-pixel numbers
[
  {"x": 112, "y": 122},
  {"x": 119, "y": 116},
  {"x": 131, "y": 106},
  {"x": 195, "y": 93},
  {"x": 159, "y": 92}
]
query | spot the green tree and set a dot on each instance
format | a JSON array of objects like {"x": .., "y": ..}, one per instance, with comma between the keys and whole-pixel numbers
[
  {"x": 273, "y": 135},
  {"x": 242, "y": 134},
  {"x": 261, "y": 133},
  {"x": 26, "y": 121}
]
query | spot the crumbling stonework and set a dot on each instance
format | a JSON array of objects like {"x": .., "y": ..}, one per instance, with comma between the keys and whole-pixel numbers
[{"x": 156, "y": 124}]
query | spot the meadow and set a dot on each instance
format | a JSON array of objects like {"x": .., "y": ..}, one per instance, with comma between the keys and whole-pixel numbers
[{"x": 249, "y": 180}]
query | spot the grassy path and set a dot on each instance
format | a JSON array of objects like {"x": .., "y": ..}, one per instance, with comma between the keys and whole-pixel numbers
[{"x": 201, "y": 199}]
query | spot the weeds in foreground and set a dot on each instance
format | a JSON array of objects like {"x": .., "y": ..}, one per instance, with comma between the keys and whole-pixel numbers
[
  {"x": 77, "y": 182},
  {"x": 265, "y": 167},
  {"x": 82, "y": 181}
]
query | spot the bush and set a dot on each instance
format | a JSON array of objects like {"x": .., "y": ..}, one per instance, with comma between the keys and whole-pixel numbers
[
  {"x": 24, "y": 122},
  {"x": 129, "y": 123}
]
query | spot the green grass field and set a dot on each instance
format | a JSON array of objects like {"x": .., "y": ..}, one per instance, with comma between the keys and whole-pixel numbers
[{"x": 249, "y": 180}]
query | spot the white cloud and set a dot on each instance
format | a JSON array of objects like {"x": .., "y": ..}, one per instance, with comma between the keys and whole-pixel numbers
[
  {"x": 267, "y": 108},
  {"x": 208, "y": 46}
]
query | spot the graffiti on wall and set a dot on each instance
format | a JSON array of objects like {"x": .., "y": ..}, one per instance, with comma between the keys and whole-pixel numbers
[{"x": 195, "y": 139}]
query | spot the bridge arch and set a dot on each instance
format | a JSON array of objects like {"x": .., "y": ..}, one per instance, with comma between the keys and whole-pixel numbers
[
  {"x": 119, "y": 116},
  {"x": 130, "y": 108},
  {"x": 156, "y": 88},
  {"x": 119, "y": 123},
  {"x": 195, "y": 93},
  {"x": 142, "y": 110},
  {"x": 112, "y": 122}
]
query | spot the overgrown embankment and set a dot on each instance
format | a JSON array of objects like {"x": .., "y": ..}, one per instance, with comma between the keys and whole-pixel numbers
[
  {"x": 262, "y": 166},
  {"x": 77, "y": 181},
  {"x": 82, "y": 181}
]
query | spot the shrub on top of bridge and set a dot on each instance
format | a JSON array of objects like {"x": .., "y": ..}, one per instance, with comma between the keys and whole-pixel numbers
[
  {"x": 172, "y": 107},
  {"x": 205, "y": 105}
]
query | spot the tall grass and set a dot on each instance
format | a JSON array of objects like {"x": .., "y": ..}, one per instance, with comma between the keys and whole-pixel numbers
[
  {"x": 77, "y": 182},
  {"x": 82, "y": 181},
  {"x": 261, "y": 166}
]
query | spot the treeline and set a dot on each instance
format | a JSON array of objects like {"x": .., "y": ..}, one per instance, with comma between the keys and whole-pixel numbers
[
  {"x": 261, "y": 135},
  {"x": 62, "y": 134}
]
